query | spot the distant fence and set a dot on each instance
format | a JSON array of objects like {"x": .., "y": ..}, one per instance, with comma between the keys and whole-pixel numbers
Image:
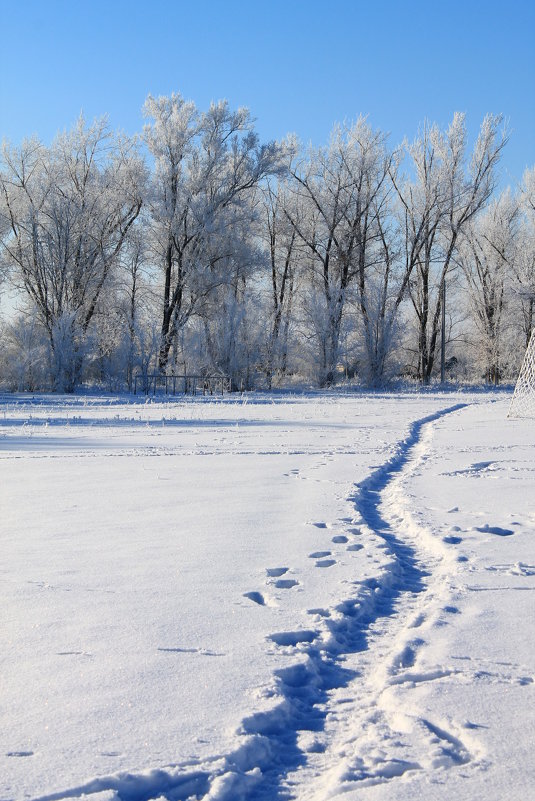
[{"x": 151, "y": 383}]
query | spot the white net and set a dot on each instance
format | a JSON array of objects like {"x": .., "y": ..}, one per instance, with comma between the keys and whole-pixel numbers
[{"x": 523, "y": 402}]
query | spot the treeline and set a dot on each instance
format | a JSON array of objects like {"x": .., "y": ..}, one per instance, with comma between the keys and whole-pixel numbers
[{"x": 194, "y": 248}]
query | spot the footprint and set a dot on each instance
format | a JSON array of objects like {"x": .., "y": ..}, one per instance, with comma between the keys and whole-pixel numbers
[
  {"x": 501, "y": 532},
  {"x": 452, "y": 540},
  {"x": 275, "y": 572},
  {"x": 320, "y": 525},
  {"x": 355, "y": 547},
  {"x": 522, "y": 569},
  {"x": 319, "y": 611},
  {"x": 449, "y": 750},
  {"x": 293, "y": 637},
  {"x": 257, "y": 597},
  {"x": 407, "y": 657},
  {"x": 19, "y": 753},
  {"x": 355, "y": 531},
  {"x": 339, "y": 538},
  {"x": 319, "y": 554},
  {"x": 452, "y": 610},
  {"x": 325, "y": 562},
  {"x": 420, "y": 619},
  {"x": 286, "y": 584}
]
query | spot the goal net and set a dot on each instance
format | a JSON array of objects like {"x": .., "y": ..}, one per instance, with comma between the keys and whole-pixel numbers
[{"x": 523, "y": 402}]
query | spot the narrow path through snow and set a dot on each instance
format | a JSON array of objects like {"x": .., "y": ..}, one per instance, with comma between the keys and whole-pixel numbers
[{"x": 386, "y": 634}]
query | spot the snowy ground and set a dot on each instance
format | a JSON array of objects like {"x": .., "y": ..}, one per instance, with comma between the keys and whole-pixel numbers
[{"x": 311, "y": 597}]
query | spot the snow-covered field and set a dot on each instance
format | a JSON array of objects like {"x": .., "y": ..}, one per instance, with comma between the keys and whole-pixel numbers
[{"x": 312, "y": 597}]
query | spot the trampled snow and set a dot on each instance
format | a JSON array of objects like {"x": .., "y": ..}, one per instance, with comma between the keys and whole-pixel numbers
[{"x": 314, "y": 596}]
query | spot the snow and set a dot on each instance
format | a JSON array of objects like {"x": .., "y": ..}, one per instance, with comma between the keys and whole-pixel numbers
[{"x": 301, "y": 596}]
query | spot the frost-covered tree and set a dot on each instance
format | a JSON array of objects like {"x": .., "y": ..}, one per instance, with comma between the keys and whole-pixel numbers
[
  {"x": 524, "y": 268},
  {"x": 337, "y": 190},
  {"x": 381, "y": 296},
  {"x": 437, "y": 203},
  {"x": 4, "y": 232},
  {"x": 280, "y": 234},
  {"x": 207, "y": 164},
  {"x": 419, "y": 215},
  {"x": 231, "y": 313},
  {"x": 135, "y": 306},
  {"x": 70, "y": 208},
  {"x": 23, "y": 354},
  {"x": 487, "y": 255}
]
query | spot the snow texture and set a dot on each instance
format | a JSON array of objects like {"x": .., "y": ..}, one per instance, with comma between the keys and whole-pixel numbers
[{"x": 312, "y": 597}]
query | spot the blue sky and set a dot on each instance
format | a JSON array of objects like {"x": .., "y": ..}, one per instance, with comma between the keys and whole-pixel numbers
[{"x": 299, "y": 66}]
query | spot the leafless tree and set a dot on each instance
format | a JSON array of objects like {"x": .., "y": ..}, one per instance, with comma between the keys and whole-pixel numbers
[
  {"x": 487, "y": 254},
  {"x": 70, "y": 208},
  {"x": 524, "y": 268},
  {"x": 284, "y": 262},
  {"x": 337, "y": 189},
  {"x": 437, "y": 205},
  {"x": 206, "y": 166}
]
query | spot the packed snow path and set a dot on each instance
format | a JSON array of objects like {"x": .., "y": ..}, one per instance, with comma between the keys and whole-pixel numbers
[{"x": 367, "y": 699}]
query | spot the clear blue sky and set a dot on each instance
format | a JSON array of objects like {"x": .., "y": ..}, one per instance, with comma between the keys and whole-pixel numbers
[{"x": 299, "y": 66}]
